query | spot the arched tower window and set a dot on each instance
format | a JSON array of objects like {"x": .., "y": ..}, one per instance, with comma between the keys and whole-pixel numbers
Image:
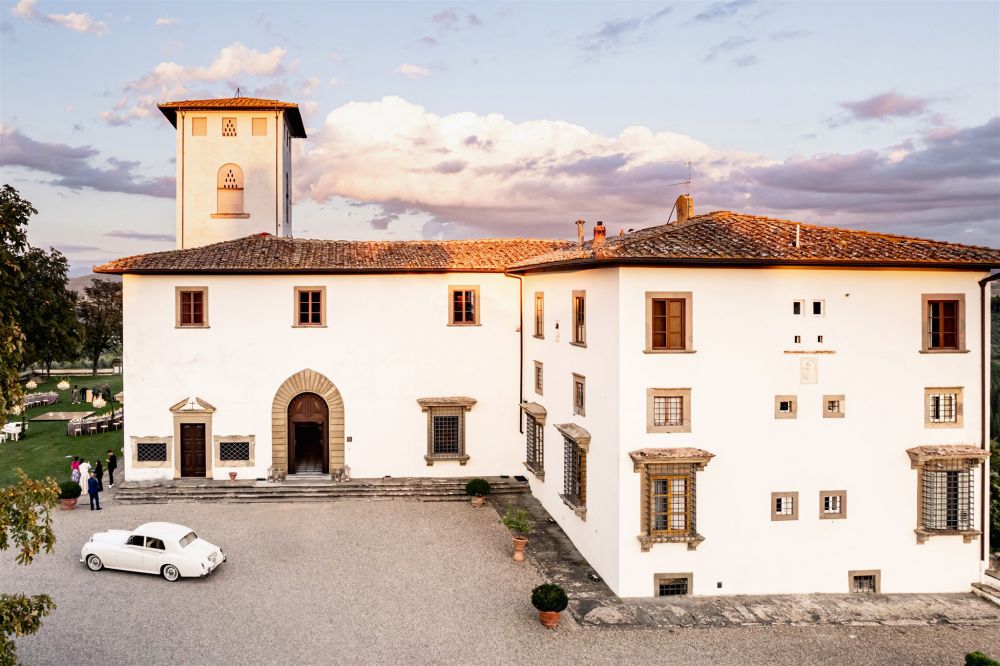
[{"x": 230, "y": 189}]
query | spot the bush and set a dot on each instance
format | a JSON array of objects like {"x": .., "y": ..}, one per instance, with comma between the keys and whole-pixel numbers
[
  {"x": 977, "y": 658},
  {"x": 477, "y": 487},
  {"x": 549, "y": 597},
  {"x": 69, "y": 490},
  {"x": 517, "y": 521}
]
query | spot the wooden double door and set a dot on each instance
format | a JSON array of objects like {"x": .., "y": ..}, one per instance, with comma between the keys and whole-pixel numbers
[
  {"x": 193, "y": 449},
  {"x": 308, "y": 435}
]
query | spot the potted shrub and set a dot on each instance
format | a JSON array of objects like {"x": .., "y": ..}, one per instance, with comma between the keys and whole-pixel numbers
[
  {"x": 478, "y": 489},
  {"x": 517, "y": 522},
  {"x": 69, "y": 491},
  {"x": 232, "y": 476},
  {"x": 550, "y": 600}
]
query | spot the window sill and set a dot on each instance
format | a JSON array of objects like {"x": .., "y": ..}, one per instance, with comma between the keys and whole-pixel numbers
[
  {"x": 944, "y": 351},
  {"x": 669, "y": 351},
  {"x": 647, "y": 541},
  {"x": 579, "y": 344},
  {"x": 191, "y": 326},
  {"x": 939, "y": 426},
  {"x": 230, "y": 216},
  {"x": 534, "y": 469},
  {"x": 576, "y": 413},
  {"x": 810, "y": 352},
  {"x": 460, "y": 459},
  {"x": 654, "y": 430},
  {"x": 580, "y": 511},
  {"x": 461, "y": 325},
  {"x": 308, "y": 325},
  {"x": 538, "y": 337},
  {"x": 968, "y": 536}
]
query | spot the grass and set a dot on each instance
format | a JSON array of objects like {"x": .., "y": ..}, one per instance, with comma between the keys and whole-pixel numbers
[{"x": 48, "y": 450}]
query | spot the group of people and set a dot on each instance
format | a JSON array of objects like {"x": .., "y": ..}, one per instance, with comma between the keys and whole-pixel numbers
[
  {"x": 77, "y": 396},
  {"x": 91, "y": 477}
]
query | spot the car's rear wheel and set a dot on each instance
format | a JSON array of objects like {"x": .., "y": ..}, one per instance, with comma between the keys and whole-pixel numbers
[
  {"x": 170, "y": 572},
  {"x": 94, "y": 563}
]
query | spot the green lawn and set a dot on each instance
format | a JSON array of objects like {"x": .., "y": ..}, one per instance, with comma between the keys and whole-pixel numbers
[{"x": 47, "y": 450}]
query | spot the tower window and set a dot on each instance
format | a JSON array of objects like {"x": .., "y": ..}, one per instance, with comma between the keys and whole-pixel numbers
[
  {"x": 230, "y": 190},
  {"x": 258, "y": 127},
  {"x": 199, "y": 126},
  {"x": 229, "y": 127}
]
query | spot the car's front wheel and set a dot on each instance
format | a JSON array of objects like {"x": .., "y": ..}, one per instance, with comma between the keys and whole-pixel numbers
[
  {"x": 94, "y": 563},
  {"x": 170, "y": 572}
]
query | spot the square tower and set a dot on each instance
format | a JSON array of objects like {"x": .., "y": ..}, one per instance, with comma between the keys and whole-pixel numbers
[{"x": 234, "y": 167}]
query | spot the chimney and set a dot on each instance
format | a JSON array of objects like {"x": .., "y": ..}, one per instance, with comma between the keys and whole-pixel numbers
[
  {"x": 684, "y": 207},
  {"x": 600, "y": 231},
  {"x": 579, "y": 232}
]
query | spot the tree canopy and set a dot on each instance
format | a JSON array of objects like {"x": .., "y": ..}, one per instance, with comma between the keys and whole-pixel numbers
[{"x": 100, "y": 313}]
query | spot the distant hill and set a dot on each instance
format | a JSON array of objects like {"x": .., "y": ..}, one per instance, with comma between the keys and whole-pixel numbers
[{"x": 78, "y": 284}]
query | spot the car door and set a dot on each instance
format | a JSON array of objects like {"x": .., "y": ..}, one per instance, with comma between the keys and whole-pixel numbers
[
  {"x": 153, "y": 555},
  {"x": 130, "y": 556}
]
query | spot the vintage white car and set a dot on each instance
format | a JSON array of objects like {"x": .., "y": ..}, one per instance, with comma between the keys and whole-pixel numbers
[{"x": 169, "y": 550}]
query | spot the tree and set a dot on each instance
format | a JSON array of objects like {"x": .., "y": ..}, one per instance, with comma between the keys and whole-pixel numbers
[
  {"x": 48, "y": 309},
  {"x": 14, "y": 215},
  {"x": 100, "y": 313},
  {"x": 26, "y": 525}
]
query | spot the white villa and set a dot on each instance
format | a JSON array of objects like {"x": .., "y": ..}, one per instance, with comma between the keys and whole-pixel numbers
[{"x": 726, "y": 404}]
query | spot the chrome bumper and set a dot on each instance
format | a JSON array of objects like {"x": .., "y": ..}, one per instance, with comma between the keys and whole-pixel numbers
[{"x": 214, "y": 566}]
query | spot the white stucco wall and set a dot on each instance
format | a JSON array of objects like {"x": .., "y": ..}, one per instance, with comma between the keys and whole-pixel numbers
[{"x": 387, "y": 344}]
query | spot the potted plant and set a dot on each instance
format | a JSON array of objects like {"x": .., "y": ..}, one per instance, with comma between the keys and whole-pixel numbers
[
  {"x": 478, "y": 489},
  {"x": 69, "y": 491},
  {"x": 517, "y": 522},
  {"x": 232, "y": 476},
  {"x": 550, "y": 600}
]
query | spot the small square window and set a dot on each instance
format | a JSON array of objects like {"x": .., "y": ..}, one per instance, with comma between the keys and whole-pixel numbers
[
  {"x": 259, "y": 127},
  {"x": 310, "y": 306},
  {"x": 832, "y": 504},
  {"x": 819, "y": 338},
  {"x": 864, "y": 582},
  {"x": 785, "y": 406},
  {"x": 785, "y": 506},
  {"x": 199, "y": 126},
  {"x": 672, "y": 585},
  {"x": 192, "y": 307},
  {"x": 229, "y": 127},
  {"x": 833, "y": 406},
  {"x": 798, "y": 339},
  {"x": 817, "y": 308},
  {"x": 668, "y": 410},
  {"x": 943, "y": 407}
]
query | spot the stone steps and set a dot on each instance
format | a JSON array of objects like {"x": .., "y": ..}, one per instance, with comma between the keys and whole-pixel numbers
[{"x": 426, "y": 490}]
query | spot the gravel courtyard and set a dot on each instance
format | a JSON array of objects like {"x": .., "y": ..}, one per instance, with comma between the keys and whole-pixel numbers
[{"x": 382, "y": 582}]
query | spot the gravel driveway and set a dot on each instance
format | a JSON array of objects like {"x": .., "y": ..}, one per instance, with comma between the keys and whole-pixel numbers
[{"x": 381, "y": 582}]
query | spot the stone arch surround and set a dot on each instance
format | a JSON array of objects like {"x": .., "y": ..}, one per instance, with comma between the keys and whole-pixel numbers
[{"x": 306, "y": 381}]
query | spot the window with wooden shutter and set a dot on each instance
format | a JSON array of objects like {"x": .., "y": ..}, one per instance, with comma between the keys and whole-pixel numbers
[
  {"x": 579, "y": 331},
  {"x": 943, "y": 326},
  {"x": 192, "y": 307},
  {"x": 668, "y": 322},
  {"x": 539, "y": 314},
  {"x": 463, "y": 305},
  {"x": 310, "y": 306}
]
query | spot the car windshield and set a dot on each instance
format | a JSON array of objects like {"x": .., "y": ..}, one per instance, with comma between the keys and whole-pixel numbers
[{"x": 188, "y": 538}]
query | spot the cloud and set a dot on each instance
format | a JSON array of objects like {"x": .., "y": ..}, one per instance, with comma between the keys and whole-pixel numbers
[
  {"x": 427, "y": 40},
  {"x": 729, "y": 45},
  {"x": 885, "y": 106},
  {"x": 748, "y": 60},
  {"x": 614, "y": 35},
  {"x": 25, "y": 9},
  {"x": 722, "y": 10},
  {"x": 167, "y": 21},
  {"x": 334, "y": 82},
  {"x": 167, "y": 80},
  {"x": 783, "y": 35},
  {"x": 453, "y": 19},
  {"x": 309, "y": 85},
  {"x": 74, "y": 169},
  {"x": 412, "y": 71},
  {"x": 141, "y": 235}
]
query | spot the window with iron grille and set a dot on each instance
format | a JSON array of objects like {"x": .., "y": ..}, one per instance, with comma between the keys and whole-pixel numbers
[
  {"x": 864, "y": 584},
  {"x": 151, "y": 451},
  {"x": 668, "y": 410},
  {"x": 574, "y": 473},
  {"x": 947, "y": 495},
  {"x": 579, "y": 395},
  {"x": 942, "y": 407},
  {"x": 234, "y": 451},
  {"x": 309, "y": 306},
  {"x": 464, "y": 306},
  {"x": 535, "y": 444},
  {"x": 229, "y": 127},
  {"x": 539, "y": 314},
  {"x": 539, "y": 378},
  {"x": 667, "y": 586},
  {"x": 446, "y": 432},
  {"x": 579, "y": 318},
  {"x": 446, "y": 428},
  {"x": 668, "y": 503},
  {"x": 191, "y": 307}
]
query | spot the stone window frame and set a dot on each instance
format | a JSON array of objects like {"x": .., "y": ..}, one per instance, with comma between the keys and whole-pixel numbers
[
  {"x": 533, "y": 412},
  {"x": 577, "y": 437},
  {"x": 778, "y": 517},
  {"x": 842, "y": 514},
  {"x": 539, "y": 315},
  {"x": 793, "y": 414},
  {"x": 152, "y": 464},
  {"x": 461, "y": 403},
  {"x": 654, "y": 462},
  {"x": 255, "y": 124},
  {"x": 322, "y": 306},
  {"x": 684, "y": 394},
  {"x": 477, "y": 304},
  {"x": 199, "y": 126},
  {"x": 877, "y": 573},
  {"x": 581, "y": 408},
  {"x": 925, "y": 347},
  {"x": 575, "y": 339},
  {"x": 957, "y": 457},
  {"x": 192, "y": 410},
  {"x": 217, "y": 442},
  {"x": 841, "y": 410},
  {"x": 658, "y": 577},
  {"x": 959, "y": 392},
  {"x": 688, "y": 298},
  {"x": 539, "y": 377},
  {"x": 177, "y": 306}
]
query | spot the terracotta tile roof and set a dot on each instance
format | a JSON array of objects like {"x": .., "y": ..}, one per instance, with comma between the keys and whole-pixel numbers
[
  {"x": 264, "y": 253},
  {"x": 169, "y": 109},
  {"x": 724, "y": 237}
]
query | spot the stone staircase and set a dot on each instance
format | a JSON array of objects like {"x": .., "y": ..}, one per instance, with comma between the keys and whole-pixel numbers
[{"x": 315, "y": 489}]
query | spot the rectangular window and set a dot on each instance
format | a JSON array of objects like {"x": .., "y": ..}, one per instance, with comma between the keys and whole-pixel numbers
[
  {"x": 151, "y": 451},
  {"x": 539, "y": 379},
  {"x": 463, "y": 305},
  {"x": 310, "y": 308},
  {"x": 234, "y": 451},
  {"x": 668, "y": 321},
  {"x": 229, "y": 127},
  {"x": 943, "y": 407},
  {"x": 446, "y": 428},
  {"x": 191, "y": 307},
  {"x": 864, "y": 582},
  {"x": 669, "y": 506},
  {"x": 580, "y": 318},
  {"x": 539, "y": 314},
  {"x": 947, "y": 490},
  {"x": 579, "y": 395},
  {"x": 446, "y": 434},
  {"x": 817, "y": 308},
  {"x": 668, "y": 410},
  {"x": 534, "y": 435},
  {"x": 834, "y": 406},
  {"x": 785, "y": 406},
  {"x": 199, "y": 126},
  {"x": 832, "y": 504},
  {"x": 785, "y": 506},
  {"x": 259, "y": 127},
  {"x": 574, "y": 474},
  {"x": 943, "y": 326},
  {"x": 798, "y": 307},
  {"x": 672, "y": 585}
]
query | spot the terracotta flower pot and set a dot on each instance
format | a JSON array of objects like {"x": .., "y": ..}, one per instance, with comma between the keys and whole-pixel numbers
[
  {"x": 550, "y": 619},
  {"x": 478, "y": 501},
  {"x": 232, "y": 476},
  {"x": 68, "y": 504},
  {"x": 519, "y": 543}
]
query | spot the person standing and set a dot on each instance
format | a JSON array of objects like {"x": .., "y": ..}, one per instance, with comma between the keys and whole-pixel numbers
[
  {"x": 76, "y": 394},
  {"x": 93, "y": 490},
  {"x": 84, "y": 474},
  {"x": 112, "y": 466},
  {"x": 99, "y": 473}
]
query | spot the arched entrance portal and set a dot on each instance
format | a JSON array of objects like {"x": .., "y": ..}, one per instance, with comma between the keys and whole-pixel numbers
[
  {"x": 308, "y": 423},
  {"x": 298, "y": 402}
]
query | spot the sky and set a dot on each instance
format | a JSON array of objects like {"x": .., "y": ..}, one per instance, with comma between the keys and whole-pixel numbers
[{"x": 448, "y": 120}]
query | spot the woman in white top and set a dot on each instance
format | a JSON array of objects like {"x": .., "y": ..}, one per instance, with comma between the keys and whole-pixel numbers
[{"x": 84, "y": 474}]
